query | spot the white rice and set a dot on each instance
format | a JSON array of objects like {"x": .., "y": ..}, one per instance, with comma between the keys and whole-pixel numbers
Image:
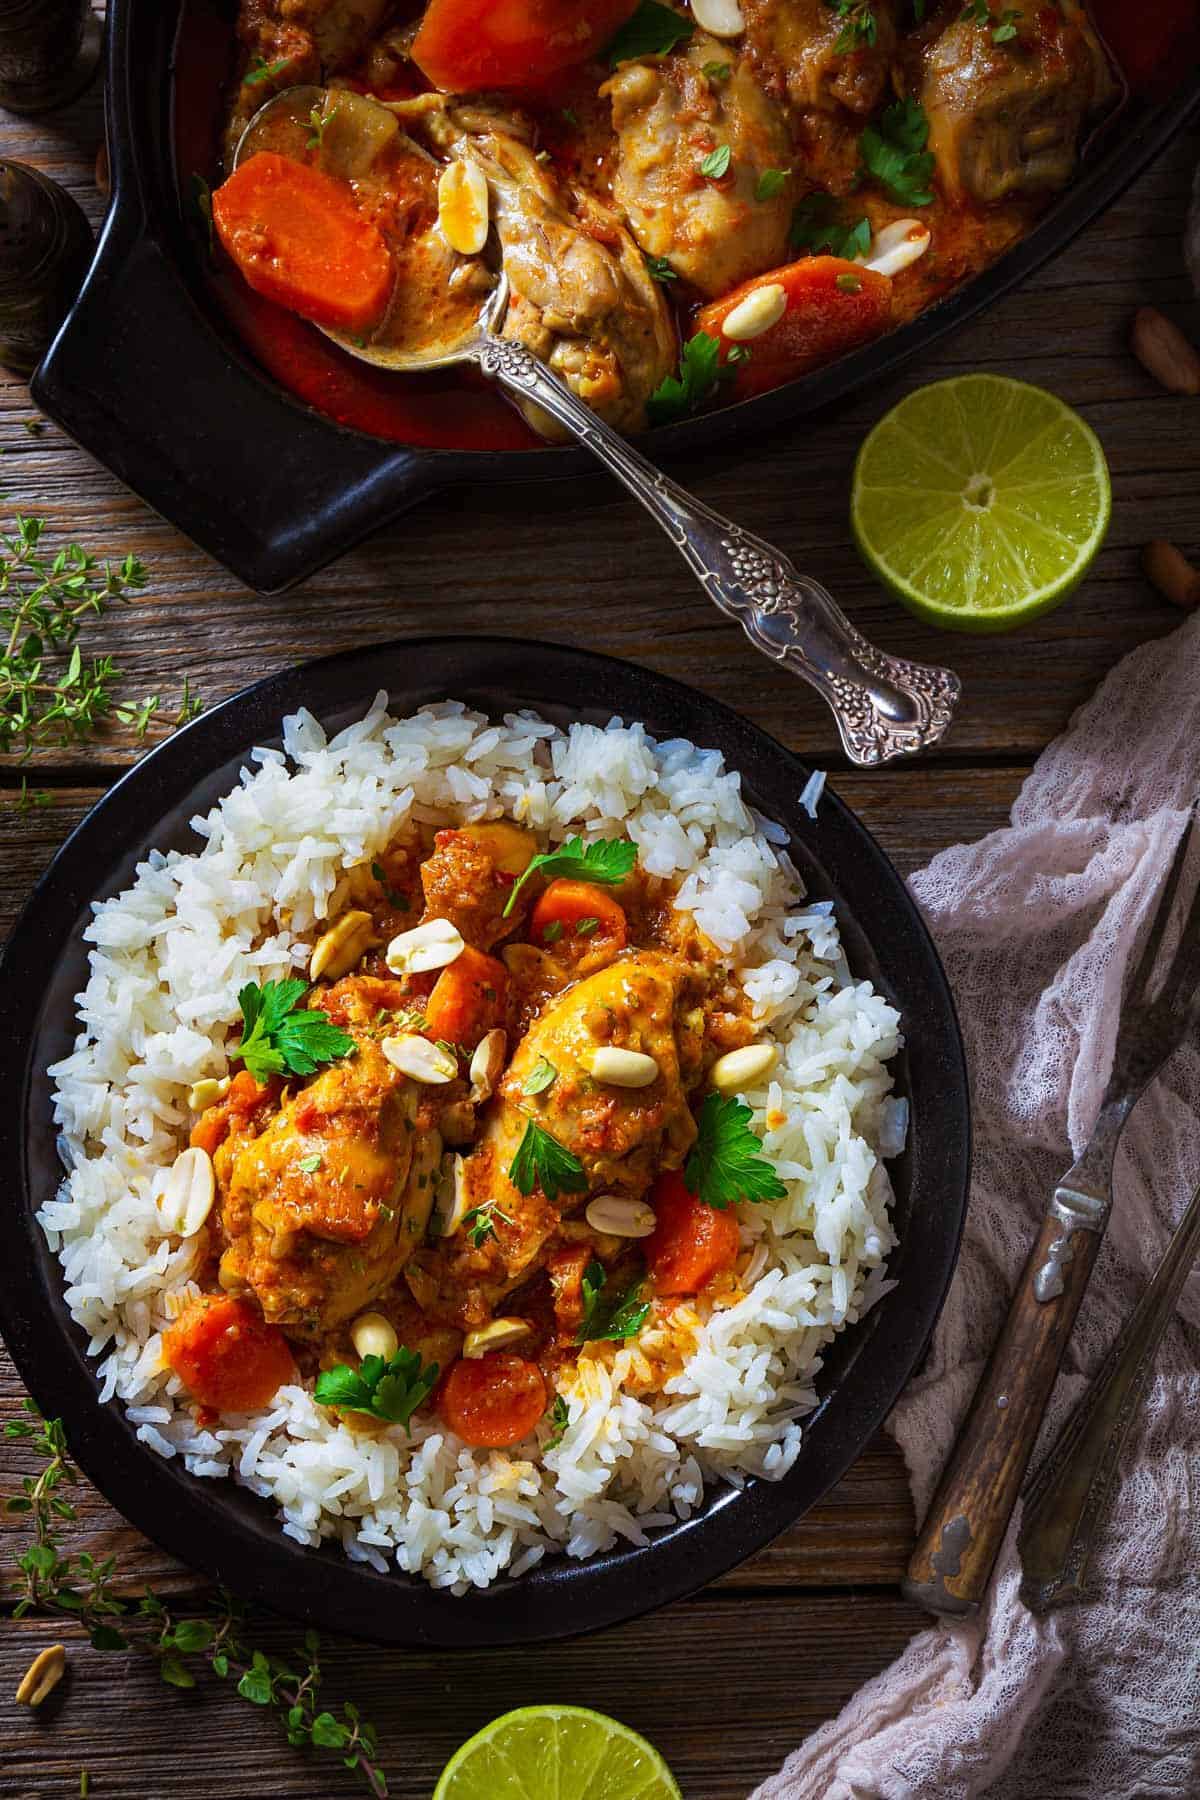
[{"x": 168, "y": 957}]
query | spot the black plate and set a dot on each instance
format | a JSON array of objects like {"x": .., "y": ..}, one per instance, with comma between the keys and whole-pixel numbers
[
  {"x": 223, "y": 1530},
  {"x": 147, "y": 376}
]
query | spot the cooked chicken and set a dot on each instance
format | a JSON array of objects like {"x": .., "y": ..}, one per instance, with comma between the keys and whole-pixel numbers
[
  {"x": 285, "y": 42},
  {"x": 469, "y": 879},
  {"x": 669, "y": 117},
  {"x": 1006, "y": 118},
  {"x": 320, "y": 1212},
  {"x": 582, "y": 299},
  {"x": 794, "y": 48},
  {"x": 622, "y": 1136}
]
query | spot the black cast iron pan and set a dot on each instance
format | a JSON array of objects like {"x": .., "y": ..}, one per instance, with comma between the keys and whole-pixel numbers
[
  {"x": 222, "y": 1529},
  {"x": 148, "y": 377}
]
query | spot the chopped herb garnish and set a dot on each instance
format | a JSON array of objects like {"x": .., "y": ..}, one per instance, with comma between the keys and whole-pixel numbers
[
  {"x": 717, "y": 71},
  {"x": 660, "y": 269},
  {"x": 770, "y": 183},
  {"x": 390, "y": 1390},
  {"x": 606, "y": 861},
  {"x": 310, "y": 1164},
  {"x": 280, "y": 1037},
  {"x": 261, "y": 70},
  {"x": 894, "y": 153},
  {"x": 586, "y": 927},
  {"x": 541, "y": 1161},
  {"x": 816, "y": 227},
  {"x": 395, "y": 900},
  {"x": 726, "y": 1163},
  {"x": 716, "y": 163},
  {"x": 542, "y": 1075},
  {"x": 859, "y": 29},
  {"x": 318, "y": 120},
  {"x": 569, "y": 116},
  {"x": 1004, "y": 25},
  {"x": 480, "y": 1223},
  {"x": 616, "y": 1318},
  {"x": 700, "y": 374},
  {"x": 652, "y": 31},
  {"x": 552, "y": 932},
  {"x": 560, "y": 1418},
  {"x": 849, "y": 284}
]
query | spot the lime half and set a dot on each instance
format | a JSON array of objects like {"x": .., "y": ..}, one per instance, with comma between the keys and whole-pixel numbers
[
  {"x": 556, "y": 1753},
  {"x": 980, "y": 501}
]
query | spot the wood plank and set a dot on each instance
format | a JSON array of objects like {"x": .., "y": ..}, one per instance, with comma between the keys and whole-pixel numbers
[{"x": 764, "y": 1669}]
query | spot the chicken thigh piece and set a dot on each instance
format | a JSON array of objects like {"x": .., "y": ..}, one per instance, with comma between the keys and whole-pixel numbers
[
  {"x": 714, "y": 229},
  {"x": 621, "y": 1137},
  {"x": 1005, "y": 119},
  {"x": 814, "y": 55},
  {"x": 322, "y": 1210},
  {"x": 581, "y": 297}
]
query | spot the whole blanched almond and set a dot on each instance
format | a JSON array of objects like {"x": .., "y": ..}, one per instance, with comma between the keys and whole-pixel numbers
[
  {"x": 1164, "y": 352},
  {"x": 1173, "y": 575}
]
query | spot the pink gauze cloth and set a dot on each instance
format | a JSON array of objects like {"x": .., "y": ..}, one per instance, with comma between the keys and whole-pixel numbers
[{"x": 1036, "y": 925}]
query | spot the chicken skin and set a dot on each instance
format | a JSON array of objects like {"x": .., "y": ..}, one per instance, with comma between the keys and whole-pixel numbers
[
  {"x": 715, "y": 229},
  {"x": 806, "y": 50}
]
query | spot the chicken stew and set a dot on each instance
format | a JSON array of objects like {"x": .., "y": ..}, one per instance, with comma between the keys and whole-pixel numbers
[{"x": 691, "y": 205}]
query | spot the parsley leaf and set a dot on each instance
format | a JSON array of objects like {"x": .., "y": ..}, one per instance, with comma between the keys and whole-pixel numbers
[
  {"x": 700, "y": 374},
  {"x": 717, "y": 71},
  {"x": 652, "y": 31},
  {"x": 607, "y": 861},
  {"x": 390, "y": 1390},
  {"x": 727, "y": 1162},
  {"x": 560, "y": 1418},
  {"x": 310, "y": 1164},
  {"x": 619, "y": 1317},
  {"x": 894, "y": 153},
  {"x": 660, "y": 269},
  {"x": 717, "y": 162},
  {"x": 480, "y": 1222},
  {"x": 279, "y": 1038},
  {"x": 542, "y": 1075},
  {"x": 859, "y": 29},
  {"x": 817, "y": 228},
  {"x": 586, "y": 927},
  {"x": 261, "y": 70},
  {"x": 770, "y": 183},
  {"x": 398, "y": 901},
  {"x": 542, "y": 1161}
]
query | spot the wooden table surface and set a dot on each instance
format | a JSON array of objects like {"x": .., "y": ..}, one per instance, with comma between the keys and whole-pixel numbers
[{"x": 729, "y": 1681}]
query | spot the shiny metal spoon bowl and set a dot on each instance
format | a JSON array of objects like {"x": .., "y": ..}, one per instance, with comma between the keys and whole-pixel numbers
[{"x": 885, "y": 706}]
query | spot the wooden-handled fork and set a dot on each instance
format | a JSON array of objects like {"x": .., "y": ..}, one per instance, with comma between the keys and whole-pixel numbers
[{"x": 962, "y": 1533}]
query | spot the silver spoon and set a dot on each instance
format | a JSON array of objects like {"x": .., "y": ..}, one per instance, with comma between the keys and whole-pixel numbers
[{"x": 885, "y": 706}]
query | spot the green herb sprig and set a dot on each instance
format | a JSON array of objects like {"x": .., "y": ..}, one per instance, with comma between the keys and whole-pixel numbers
[
  {"x": 726, "y": 1163},
  {"x": 82, "y": 1588},
  {"x": 50, "y": 694},
  {"x": 560, "y": 1418},
  {"x": 542, "y": 1075},
  {"x": 386, "y": 1388},
  {"x": 652, "y": 31},
  {"x": 859, "y": 26},
  {"x": 701, "y": 373},
  {"x": 280, "y": 1037},
  {"x": 261, "y": 70},
  {"x": 607, "y": 861},
  {"x": 894, "y": 153},
  {"x": 1003, "y": 25},
  {"x": 613, "y": 1318},
  {"x": 816, "y": 227},
  {"x": 480, "y": 1223},
  {"x": 541, "y": 1161}
]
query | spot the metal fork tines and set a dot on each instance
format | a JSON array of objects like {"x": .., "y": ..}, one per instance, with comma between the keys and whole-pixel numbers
[{"x": 1158, "y": 1005}]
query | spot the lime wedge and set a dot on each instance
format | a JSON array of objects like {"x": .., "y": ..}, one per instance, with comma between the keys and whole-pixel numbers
[
  {"x": 556, "y": 1753},
  {"x": 980, "y": 502}
]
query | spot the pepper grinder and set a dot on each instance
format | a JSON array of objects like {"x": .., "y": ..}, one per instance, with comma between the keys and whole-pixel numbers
[
  {"x": 46, "y": 246},
  {"x": 49, "y": 52}
]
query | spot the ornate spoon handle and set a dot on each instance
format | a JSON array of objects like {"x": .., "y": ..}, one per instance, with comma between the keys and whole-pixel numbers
[{"x": 884, "y": 706}]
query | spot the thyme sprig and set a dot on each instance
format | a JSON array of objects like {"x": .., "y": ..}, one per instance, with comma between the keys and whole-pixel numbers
[
  {"x": 82, "y": 1587},
  {"x": 50, "y": 694}
]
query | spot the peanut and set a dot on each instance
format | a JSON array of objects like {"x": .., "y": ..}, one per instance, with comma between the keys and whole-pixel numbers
[
  {"x": 1172, "y": 574},
  {"x": 42, "y": 1676},
  {"x": 1164, "y": 352}
]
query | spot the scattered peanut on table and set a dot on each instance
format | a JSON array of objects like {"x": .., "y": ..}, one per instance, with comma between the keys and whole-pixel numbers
[
  {"x": 1164, "y": 351},
  {"x": 42, "y": 1676},
  {"x": 1172, "y": 574}
]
